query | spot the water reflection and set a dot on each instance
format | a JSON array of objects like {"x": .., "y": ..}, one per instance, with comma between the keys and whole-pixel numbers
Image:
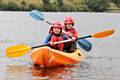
[
  {"x": 51, "y": 73},
  {"x": 16, "y": 72},
  {"x": 24, "y": 72}
]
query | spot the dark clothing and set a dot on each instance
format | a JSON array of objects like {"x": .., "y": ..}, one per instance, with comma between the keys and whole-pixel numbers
[{"x": 70, "y": 47}]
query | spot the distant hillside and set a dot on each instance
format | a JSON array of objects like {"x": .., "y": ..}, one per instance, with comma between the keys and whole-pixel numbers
[
  {"x": 61, "y": 5},
  {"x": 23, "y": 2}
]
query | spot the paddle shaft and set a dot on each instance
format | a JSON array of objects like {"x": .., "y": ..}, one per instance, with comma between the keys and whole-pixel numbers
[
  {"x": 84, "y": 37},
  {"x": 47, "y": 22},
  {"x": 64, "y": 41},
  {"x": 38, "y": 46}
]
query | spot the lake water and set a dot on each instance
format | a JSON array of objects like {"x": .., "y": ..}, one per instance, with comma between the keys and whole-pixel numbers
[{"x": 101, "y": 63}]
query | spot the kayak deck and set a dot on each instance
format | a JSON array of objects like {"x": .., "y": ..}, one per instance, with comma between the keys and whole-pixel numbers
[{"x": 47, "y": 57}]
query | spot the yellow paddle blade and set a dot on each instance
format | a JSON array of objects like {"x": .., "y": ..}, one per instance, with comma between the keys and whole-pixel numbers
[
  {"x": 103, "y": 34},
  {"x": 17, "y": 50}
]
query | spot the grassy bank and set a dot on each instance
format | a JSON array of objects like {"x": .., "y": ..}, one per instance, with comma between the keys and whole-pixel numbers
[{"x": 61, "y": 5}]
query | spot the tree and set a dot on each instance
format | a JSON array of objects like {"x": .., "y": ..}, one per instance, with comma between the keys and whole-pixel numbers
[
  {"x": 117, "y": 2},
  {"x": 97, "y": 5}
]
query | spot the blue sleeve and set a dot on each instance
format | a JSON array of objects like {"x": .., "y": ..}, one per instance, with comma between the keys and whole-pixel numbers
[
  {"x": 65, "y": 37},
  {"x": 47, "y": 39}
]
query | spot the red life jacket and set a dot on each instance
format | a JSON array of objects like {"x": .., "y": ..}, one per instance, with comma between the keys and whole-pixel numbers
[
  {"x": 73, "y": 32},
  {"x": 55, "y": 39}
]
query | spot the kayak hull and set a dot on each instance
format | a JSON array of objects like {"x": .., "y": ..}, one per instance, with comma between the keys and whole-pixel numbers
[{"x": 47, "y": 57}]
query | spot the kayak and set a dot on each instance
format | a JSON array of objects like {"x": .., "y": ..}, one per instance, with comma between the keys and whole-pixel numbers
[{"x": 48, "y": 57}]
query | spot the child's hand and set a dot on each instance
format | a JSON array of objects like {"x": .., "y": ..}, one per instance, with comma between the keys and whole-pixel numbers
[
  {"x": 70, "y": 35},
  {"x": 73, "y": 38},
  {"x": 51, "y": 43}
]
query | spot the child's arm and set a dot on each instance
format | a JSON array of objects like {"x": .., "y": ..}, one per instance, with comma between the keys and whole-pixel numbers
[
  {"x": 47, "y": 39},
  {"x": 75, "y": 34},
  {"x": 65, "y": 37}
]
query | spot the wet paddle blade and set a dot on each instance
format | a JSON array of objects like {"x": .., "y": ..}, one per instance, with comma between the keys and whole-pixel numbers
[
  {"x": 17, "y": 50},
  {"x": 36, "y": 15},
  {"x": 103, "y": 34},
  {"x": 85, "y": 44}
]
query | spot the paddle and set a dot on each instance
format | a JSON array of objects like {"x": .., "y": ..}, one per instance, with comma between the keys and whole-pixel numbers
[
  {"x": 38, "y": 16},
  {"x": 19, "y": 50},
  {"x": 84, "y": 44},
  {"x": 102, "y": 34}
]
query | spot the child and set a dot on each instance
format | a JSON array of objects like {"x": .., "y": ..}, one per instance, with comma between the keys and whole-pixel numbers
[
  {"x": 55, "y": 35},
  {"x": 72, "y": 34}
]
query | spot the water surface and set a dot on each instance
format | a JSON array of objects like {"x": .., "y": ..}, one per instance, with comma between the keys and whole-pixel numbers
[{"x": 101, "y": 63}]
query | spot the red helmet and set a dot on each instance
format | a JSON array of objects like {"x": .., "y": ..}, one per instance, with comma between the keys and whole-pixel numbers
[
  {"x": 69, "y": 20},
  {"x": 57, "y": 24}
]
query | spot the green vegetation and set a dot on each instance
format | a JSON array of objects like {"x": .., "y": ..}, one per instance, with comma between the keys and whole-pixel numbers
[{"x": 61, "y": 5}]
